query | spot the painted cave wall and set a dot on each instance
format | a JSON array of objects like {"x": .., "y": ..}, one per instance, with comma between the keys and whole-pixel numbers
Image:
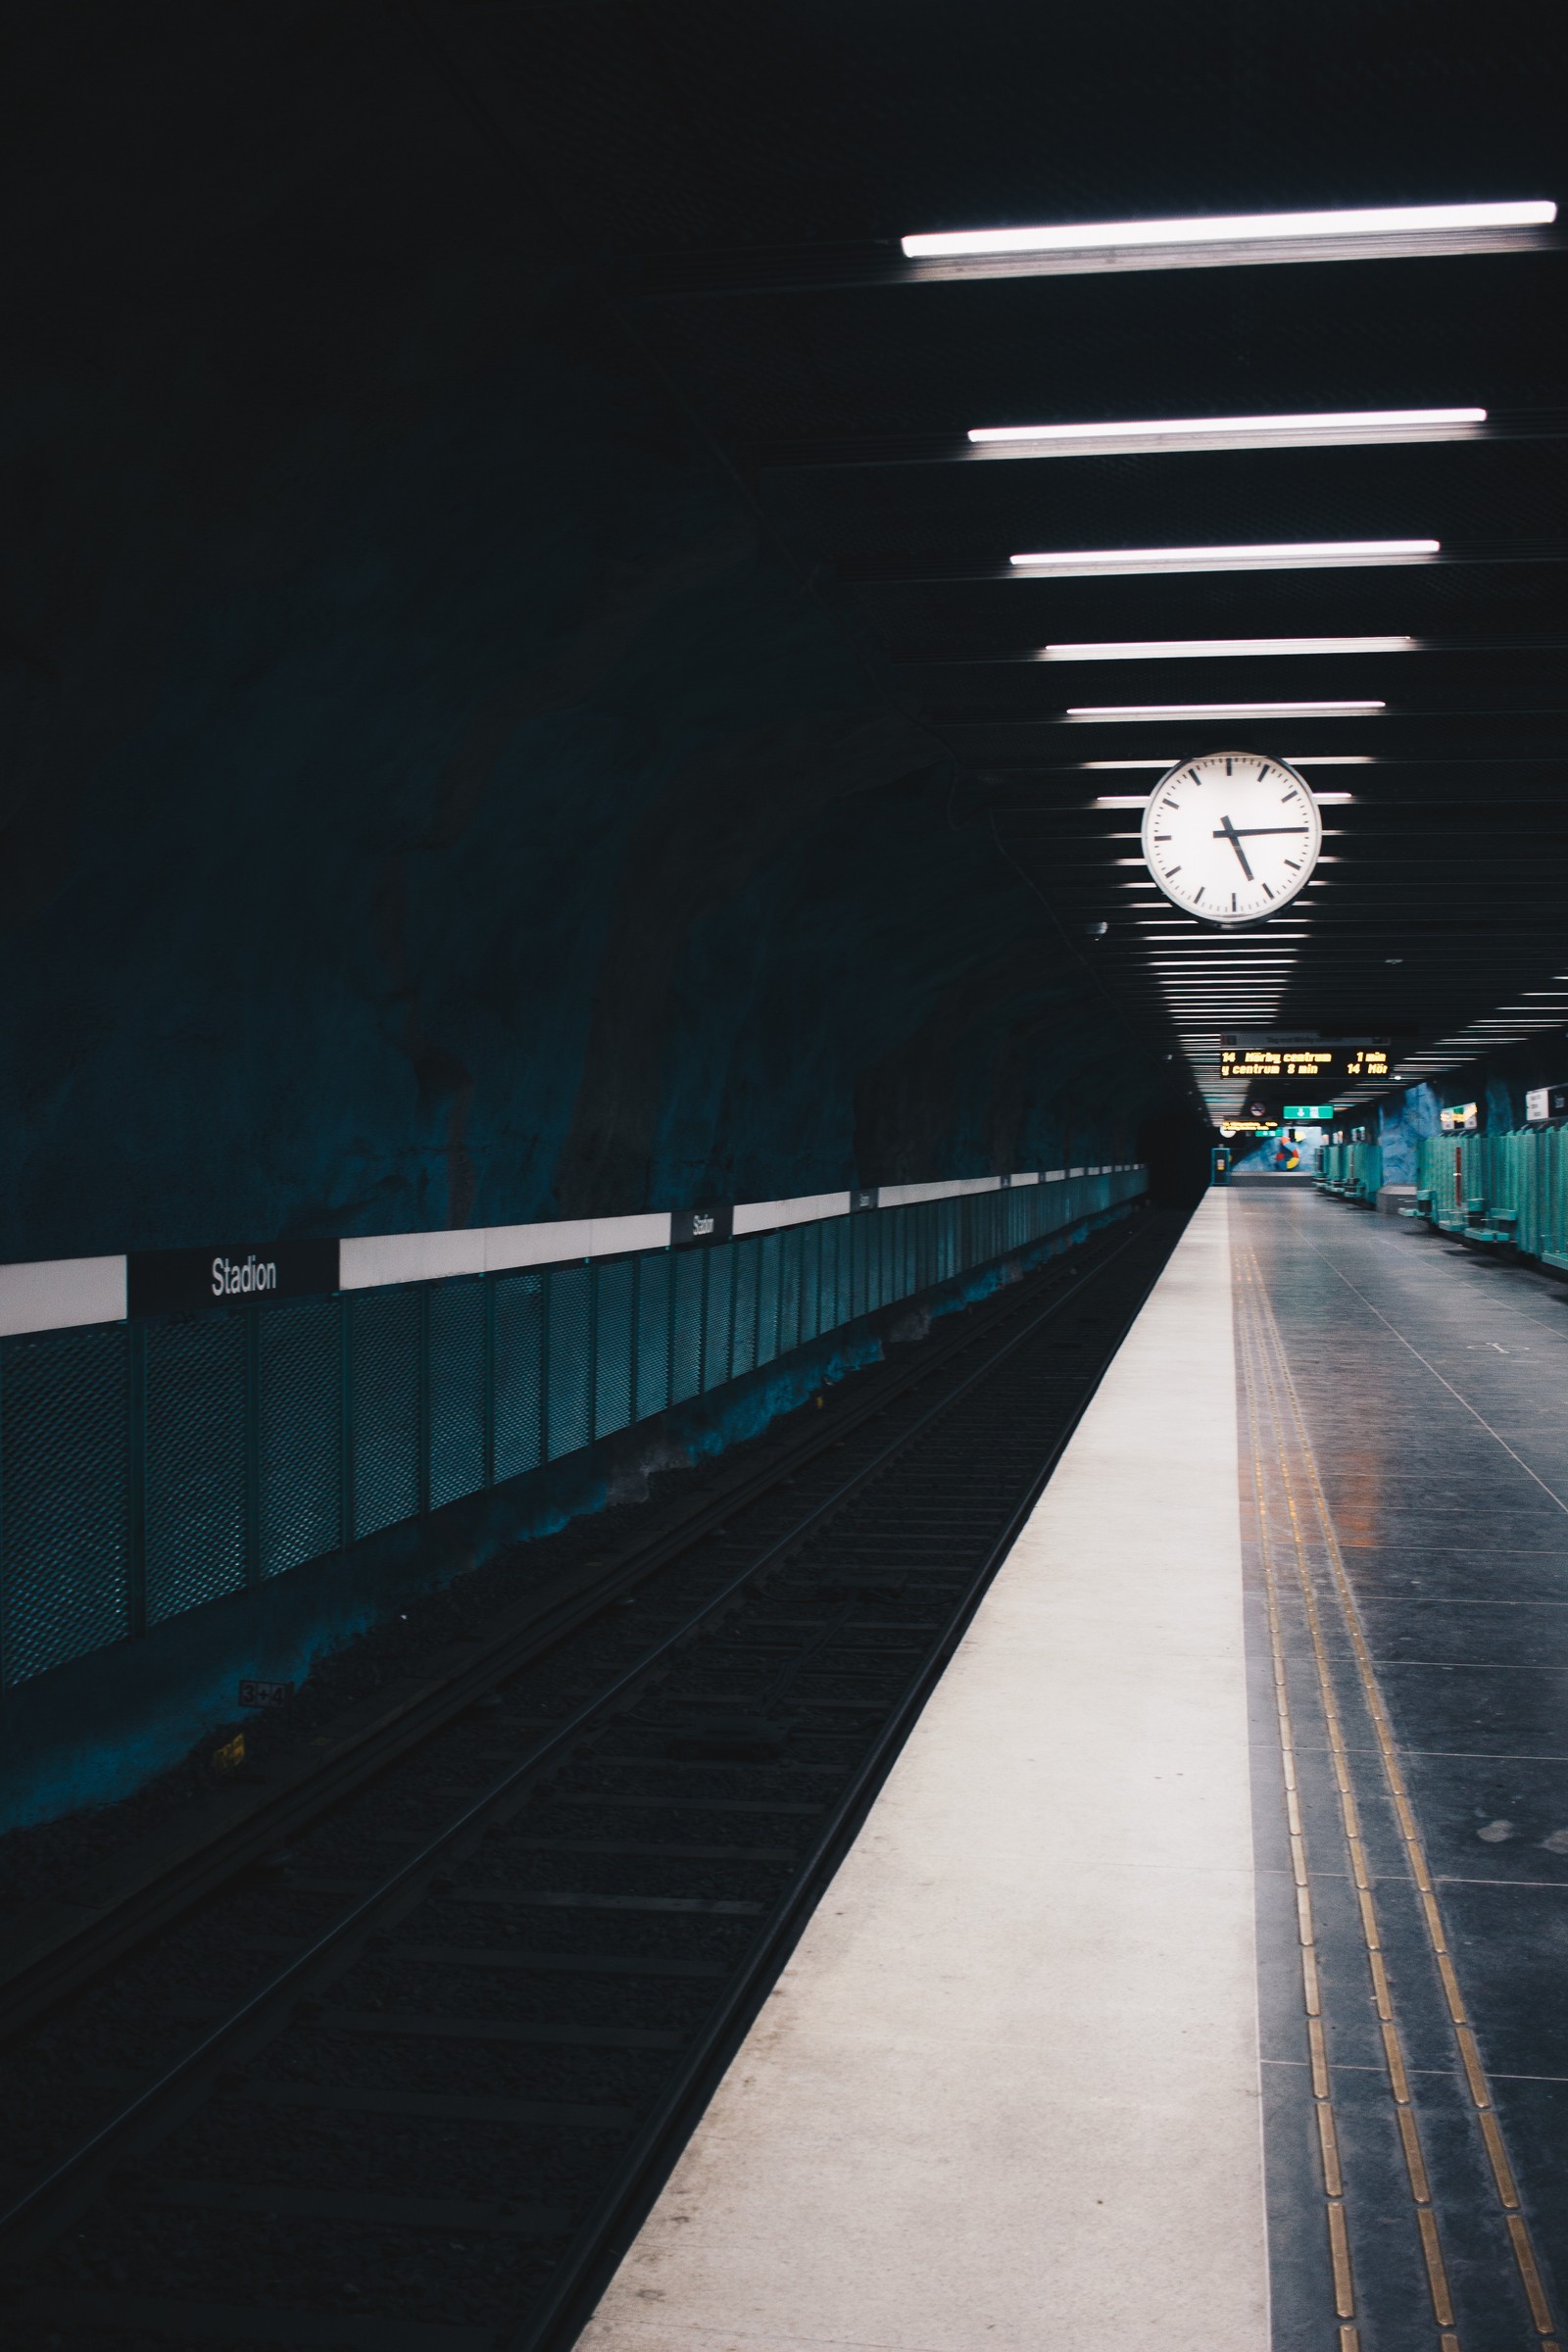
[{"x": 427, "y": 798}]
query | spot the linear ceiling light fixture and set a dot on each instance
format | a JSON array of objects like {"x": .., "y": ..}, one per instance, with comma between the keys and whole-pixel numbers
[
  {"x": 1230, "y": 229},
  {"x": 1304, "y": 555},
  {"x": 1101, "y": 713},
  {"x": 1220, "y": 649},
  {"x": 1140, "y": 800},
  {"x": 1171, "y": 433}
]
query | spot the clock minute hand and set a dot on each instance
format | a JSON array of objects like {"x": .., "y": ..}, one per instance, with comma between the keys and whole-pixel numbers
[
  {"x": 1226, "y": 831},
  {"x": 1245, "y": 830}
]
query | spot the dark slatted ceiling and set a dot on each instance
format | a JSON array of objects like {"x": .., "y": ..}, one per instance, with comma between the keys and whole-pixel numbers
[{"x": 740, "y": 182}]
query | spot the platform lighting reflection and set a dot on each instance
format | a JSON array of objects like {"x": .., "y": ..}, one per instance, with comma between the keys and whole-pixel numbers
[
  {"x": 1201, "y": 433},
  {"x": 1299, "y": 555},
  {"x": 1140, "y": 800},
  {"x": 1221, "y": 649},
  {"x": 1103, "y": 713},
  {"x": 1230, "y": 229}
]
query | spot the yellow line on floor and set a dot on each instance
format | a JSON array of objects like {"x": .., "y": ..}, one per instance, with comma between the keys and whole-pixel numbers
[
  {"x": 1323, "y": 2104},
  {"x": 1287, "y": 1404}
]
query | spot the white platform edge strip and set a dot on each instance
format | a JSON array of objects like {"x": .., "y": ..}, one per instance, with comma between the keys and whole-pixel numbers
[{"x": 62, "y": 1294}]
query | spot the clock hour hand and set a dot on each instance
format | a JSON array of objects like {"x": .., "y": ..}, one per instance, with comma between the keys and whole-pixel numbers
[{"x": 1226, "y": 831}]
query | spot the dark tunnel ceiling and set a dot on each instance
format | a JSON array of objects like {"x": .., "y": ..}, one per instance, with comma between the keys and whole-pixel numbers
[{"x": 739, "y": 188}]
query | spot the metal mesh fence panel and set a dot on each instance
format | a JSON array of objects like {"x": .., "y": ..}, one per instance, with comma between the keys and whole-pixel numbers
[
  {"x": 384, "y": 1378},
  {"x": 299, "y": 1358},
  {"x": 743, "y": 1345},
  {"x": 64, "y": 1459},
  {"x": 843, "y": 1293},
  {"x": 719, "y": 1314},
  {"x": 768, "y": 1268},
  {"x": 826, "y": 1307},
  {"x": 571, "y": 1418},
  {"x": 686, "y": 1325},
  {"x": 833, "y": 1305},
  {"x": 612, "y": 1364},
  {"x": 131, "y": 1458},
  {"x": 789, "y": 1289},
  {"x": 863, "y": 1264},
  {"x": 456, "y": 1390},
  {"x": 808, "y": 1283},
  {"x": 520, "y": 1373},
  {"x": 653, "y": 1335},
  {"x": 195, "y": 1507}
]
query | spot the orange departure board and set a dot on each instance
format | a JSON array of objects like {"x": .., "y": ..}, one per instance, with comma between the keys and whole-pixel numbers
[{"x": 1320, "y": 1063}]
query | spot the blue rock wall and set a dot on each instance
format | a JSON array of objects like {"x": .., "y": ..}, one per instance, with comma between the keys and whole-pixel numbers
[
  {"x": 428, "y": 797},
  {"x": 1498, "y": 1084}
]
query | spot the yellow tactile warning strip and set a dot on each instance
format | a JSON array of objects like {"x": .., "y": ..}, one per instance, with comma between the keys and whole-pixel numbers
[{"x": 1293, "y": 1513}]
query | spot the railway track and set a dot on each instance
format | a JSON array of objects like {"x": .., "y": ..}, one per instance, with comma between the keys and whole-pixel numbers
[{"x": 410, "y": 2084}]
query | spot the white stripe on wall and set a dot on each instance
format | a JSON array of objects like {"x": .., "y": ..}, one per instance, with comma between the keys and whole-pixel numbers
[
  {"x": 767, "y": 1216},
  {"x": 57, "y": 1294},
  {"x": 54, "y": 1293},
  {"x": 366, "y": 1261}
]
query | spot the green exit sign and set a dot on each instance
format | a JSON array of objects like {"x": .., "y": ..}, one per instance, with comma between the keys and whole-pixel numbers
[{"x": 1313, "y": 1112}]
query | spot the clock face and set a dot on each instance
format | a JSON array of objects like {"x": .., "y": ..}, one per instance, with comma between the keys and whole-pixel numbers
[{"x": 1232, "y": 836}]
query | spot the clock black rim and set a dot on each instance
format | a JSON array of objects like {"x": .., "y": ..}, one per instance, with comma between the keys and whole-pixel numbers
[{"x": 1238, "y": 922}]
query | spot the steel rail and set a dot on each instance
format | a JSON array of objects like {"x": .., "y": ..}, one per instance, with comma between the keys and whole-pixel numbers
[
  {"x": 31, "y": 1991},
  {"x": 54, "y": 2201}
]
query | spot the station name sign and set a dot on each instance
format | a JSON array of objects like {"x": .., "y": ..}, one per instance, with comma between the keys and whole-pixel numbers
[
  {"x": 700, "y": 1225},
  {"x": 184, "y": 1281},
  {"x": 1324, "y": 1063}
]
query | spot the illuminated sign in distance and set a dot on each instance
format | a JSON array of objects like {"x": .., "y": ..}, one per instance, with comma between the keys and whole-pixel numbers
[
  {"x": 1544, "y": 1102},
  {"x": 1310, "y": 1115},
  {"x": 1461, "y": 1118},
  {"x": 1334, "y": 1062}
]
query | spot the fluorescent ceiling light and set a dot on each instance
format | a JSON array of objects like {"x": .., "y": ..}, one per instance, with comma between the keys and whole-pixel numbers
[
  {"x": 1220, "y": 649},
  {"x": 1232, "y": 228},
  {"x": 1198, "y": 432},
  {"x": 1095, "y": 712},
  {"x": 1302, "y": 554},
  {"x": 1334, "y": 759},
  {"x": 1107, "y": 765}
]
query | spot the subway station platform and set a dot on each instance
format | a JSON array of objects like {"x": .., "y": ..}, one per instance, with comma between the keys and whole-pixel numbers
[{"x": 1198, "y": 1978}]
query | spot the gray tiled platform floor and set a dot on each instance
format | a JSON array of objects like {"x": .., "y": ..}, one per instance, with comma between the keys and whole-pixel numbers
[{"x": 1434, "y": 1385}]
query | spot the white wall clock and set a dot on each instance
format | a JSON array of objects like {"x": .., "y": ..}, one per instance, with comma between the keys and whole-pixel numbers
[{"x": 1232, "y": 836}]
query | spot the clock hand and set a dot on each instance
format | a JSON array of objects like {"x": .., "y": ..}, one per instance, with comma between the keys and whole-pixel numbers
[
  {"x": 1226, "y": 831},
  {"x": 1244, "y": 830}
]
